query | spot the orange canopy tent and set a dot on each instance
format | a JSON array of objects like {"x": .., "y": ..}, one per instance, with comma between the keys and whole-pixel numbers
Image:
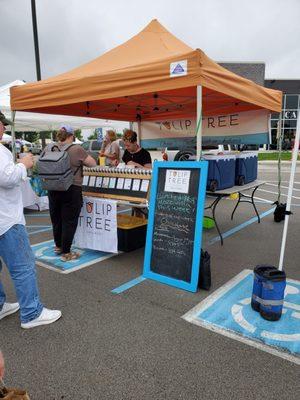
[{"x": 138, "y": 81}]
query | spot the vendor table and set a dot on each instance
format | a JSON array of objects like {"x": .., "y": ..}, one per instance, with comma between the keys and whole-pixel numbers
[{"x": 242, "y": 198}]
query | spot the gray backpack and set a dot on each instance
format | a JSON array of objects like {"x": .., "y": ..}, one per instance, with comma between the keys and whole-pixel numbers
[{"x": 54, "y": 168}]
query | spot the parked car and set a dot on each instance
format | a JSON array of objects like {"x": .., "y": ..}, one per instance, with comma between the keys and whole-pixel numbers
[
  {"x": 92, "y": 147},
  {"x": 36, "y": 149}
]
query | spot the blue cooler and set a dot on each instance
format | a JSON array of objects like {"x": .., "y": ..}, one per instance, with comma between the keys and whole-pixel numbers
[
  {"x": 272, "y": 294},
  {"x": 257, "y": 284},
  {"x": 246, "y": 167},
  {"x": 221, "y": 171}
]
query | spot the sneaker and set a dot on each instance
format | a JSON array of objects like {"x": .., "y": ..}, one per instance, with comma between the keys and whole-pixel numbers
[
  {"x": 9, "y": 308},
  {"x": 47, "y": 317}
]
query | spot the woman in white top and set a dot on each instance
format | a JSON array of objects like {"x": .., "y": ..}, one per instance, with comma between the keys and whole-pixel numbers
[{"x": 110, "y": 148}]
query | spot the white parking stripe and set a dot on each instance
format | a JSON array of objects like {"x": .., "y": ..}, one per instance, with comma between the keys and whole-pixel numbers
[
  {"x": 282, "y": 194},
  {"x": 284, "y": 187}
]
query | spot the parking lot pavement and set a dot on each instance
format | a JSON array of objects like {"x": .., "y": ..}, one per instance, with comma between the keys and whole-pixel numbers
[{"x": 135, "y": 345}]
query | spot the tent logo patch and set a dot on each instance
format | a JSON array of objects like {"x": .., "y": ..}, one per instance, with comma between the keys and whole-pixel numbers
[{"x": 178, "y": 68}]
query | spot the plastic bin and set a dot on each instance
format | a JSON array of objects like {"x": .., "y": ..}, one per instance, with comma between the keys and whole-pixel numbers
[
  {"x": 246, "y": 167},
  {"x": 131, "y": 232},
  {"x": 272, "y": 295},
  {"x": 221, "y": 171},
  {"x": 257, "y": 284}
]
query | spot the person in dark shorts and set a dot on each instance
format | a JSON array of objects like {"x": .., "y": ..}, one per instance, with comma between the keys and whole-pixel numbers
[
  {"x": 134, "y": 154},
  {"x": 65, "y": 206}
]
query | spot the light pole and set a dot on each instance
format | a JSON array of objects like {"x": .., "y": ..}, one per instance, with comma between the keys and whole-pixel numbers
[{"x": 36, "y": 41}]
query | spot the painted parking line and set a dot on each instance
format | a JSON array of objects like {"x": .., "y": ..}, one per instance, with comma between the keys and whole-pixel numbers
[
  {"x": 40, "y": 231},
  {"x": 46, "y": 257},
  {"x": 36, "y": 215},
  {"x": 240, "y": 227},
  {"x": 228, "y": 312},
  {"x": 282, "y": 194},
  {"x": 128, "y": 285},
  {"x": 282, "y": 187},
  {"x": 37, "y": 226}
]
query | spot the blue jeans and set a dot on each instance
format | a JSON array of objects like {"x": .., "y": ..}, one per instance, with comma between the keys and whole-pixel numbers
[{"x": 18, "y": 256}]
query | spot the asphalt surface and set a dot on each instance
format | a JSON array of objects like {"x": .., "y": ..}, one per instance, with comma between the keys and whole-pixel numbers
[{"x": 135, "y": 345}]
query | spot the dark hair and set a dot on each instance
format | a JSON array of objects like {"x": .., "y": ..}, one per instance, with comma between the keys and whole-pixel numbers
[
  {"x": 130, "y": 136},
  {"x": 62, "y": 135}
]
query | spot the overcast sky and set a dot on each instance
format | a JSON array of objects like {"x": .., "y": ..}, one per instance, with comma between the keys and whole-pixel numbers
[{"x": 72, "y": 32}]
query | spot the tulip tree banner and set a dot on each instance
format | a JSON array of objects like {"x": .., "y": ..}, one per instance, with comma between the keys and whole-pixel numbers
[
  {"x": 249, "y": 127},
  {"x": 97, "y": 225}
]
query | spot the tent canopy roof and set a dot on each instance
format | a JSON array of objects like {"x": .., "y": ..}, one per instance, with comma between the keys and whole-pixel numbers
[{"x": 134, "y": 81}]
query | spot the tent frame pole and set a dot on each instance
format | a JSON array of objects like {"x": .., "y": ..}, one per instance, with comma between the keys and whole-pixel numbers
[
  {"x": 139, "y": 132},
  {"x": 199, "y": 122},
  {"x": 13, "y": 136},
  {"x": 290, "y": 191}
]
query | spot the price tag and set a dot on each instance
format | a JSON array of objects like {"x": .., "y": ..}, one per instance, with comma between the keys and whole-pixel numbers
[
  {"x": 85, "y": 181},
  {"x": 145, "y": 185},
  {"x": 112, "y": 183},
  {"x": 98, "y": 182},
  {"x": 105, "y": 182},
  {"x": 120, "y": 183},
  {"x": 136, "y": 185},
  {"x": 127, "y": 184},
  {"x": 92, "y": 181}
]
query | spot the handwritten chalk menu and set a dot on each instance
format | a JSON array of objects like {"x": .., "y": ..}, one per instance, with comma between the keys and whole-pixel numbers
[{"x": 174, "y": 234}]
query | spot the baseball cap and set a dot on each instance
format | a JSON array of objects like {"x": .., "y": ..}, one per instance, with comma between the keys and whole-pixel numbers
[
  {"x": 4, "y": 120},
  {"x": 68, "y": 129}
]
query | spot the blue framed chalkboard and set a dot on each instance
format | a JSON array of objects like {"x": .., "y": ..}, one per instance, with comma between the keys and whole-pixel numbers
[{"x": 174, "y": 232}]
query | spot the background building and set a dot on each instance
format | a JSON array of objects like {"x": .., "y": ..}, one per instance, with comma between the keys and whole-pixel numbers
[{"x": 290, "y": 102}]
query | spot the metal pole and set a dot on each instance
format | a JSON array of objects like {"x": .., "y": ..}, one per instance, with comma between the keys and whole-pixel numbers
[
  {"x": 139, "y": 132},
  {"x": 290, "y": 191},
  {"x": 13, "y": 136},
  {"x": 199, "y": 122},
  {"x": 36, "y": 41}
]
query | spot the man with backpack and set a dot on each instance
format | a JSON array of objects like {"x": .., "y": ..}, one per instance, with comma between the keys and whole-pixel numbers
[
  {"x": 60, "y": 168},
  {"x": 15, "y": 248}
]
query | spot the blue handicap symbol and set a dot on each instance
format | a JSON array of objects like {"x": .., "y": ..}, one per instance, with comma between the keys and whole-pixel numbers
[{"x": 232, "y": 311}]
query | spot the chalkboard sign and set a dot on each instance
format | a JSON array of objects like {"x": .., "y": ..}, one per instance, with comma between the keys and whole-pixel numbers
[{"x": 174, "y": 234}]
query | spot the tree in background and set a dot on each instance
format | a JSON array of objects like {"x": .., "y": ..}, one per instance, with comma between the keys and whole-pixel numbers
[
  {"x": 32, "y": 136},
  {"x": 93, "y": 136},
  {"x": 78, "y": 134}
]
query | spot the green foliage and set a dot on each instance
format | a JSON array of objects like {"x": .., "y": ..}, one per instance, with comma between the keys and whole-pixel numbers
[
  {"x": 31, "y": 136},
  {"x": 93, "y": 136},
  {"x": 273, "y": 156},
  {"x": 78, "y": 134}
]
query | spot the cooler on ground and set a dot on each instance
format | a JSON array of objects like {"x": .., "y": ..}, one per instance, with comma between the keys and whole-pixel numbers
[
  {"x": 246, "y": 167},
  {"x": 131, "y": 232},
  {"x": 221, "y": 171}
]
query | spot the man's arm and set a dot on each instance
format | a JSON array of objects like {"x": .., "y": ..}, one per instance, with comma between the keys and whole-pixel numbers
[{"x": 12, "y": 174}]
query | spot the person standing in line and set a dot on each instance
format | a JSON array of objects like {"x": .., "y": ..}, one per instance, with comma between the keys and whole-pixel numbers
[
  {"x": 65, "y": 206},
  {"x": 15, "y": 249}
]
